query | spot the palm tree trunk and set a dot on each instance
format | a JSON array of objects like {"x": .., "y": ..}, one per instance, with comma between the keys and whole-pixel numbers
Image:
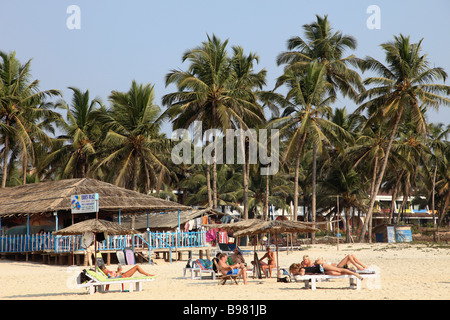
[
  {"x": 266, "y": 198},
  {"x": 24, "y": 167},
  {"x": 5, "y": 161},
  {"x": 214, "y": 182},
  {"x": 394, "y": 197},
  {"x": 432, "y": 200},
  {"x": 208, "y": 185},
  {"x": 347, "y": 224},
  {"x": 313, "y": 198},
  {"x": 297, "y": 164},
  {"x": 444, "y": 209},
  {"x": 244, "y": 172},
  {"x": 380, "y": 179}
]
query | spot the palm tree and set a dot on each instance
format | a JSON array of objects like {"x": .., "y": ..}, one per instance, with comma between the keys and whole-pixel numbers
[
  {"x": 308, "y": 96},
  {"x": 438, "y": 143},
  {"x": 133, "y": 141},
  {"x": 211, "y": 93},
  {"x": 22, "y": 105},
  {"x": 402, "y": 85},
  {"x": 327, "y": 47},
  {"x": 246, "y": 83},
  {"x": 81, "y": 131}
]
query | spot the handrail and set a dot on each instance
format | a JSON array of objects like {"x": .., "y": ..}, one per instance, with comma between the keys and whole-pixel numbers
[{"x": 47, "y": 242}]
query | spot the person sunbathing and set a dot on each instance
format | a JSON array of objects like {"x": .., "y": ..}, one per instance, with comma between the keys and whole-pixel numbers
[
  {"x": 306, "y": 262},
  {"x": 320, "y": 266},
  {"x": 335, "y": 271},
  {"x": 126, "y": 274},
  {"x": 235, "y": 269},
  {"x": 299, "y": 269},
  {"x": 353, "y": 260}
]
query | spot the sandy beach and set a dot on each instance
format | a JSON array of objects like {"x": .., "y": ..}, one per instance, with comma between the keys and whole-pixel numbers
[{"x": 408, "y": 271}]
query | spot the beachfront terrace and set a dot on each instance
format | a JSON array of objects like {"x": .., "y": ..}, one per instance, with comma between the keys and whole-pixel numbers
[{"x": 47, "y": 244}]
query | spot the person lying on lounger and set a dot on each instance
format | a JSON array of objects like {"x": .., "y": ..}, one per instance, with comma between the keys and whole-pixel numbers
[
  {"x": 126, "y": 274},
  {"x": 320, "y": 266},
  {"x": 350, "y": 259},
  {"x": 335, "y": 271},
  {"x": 306, "y": 262},
  {"x": 235, "y": 269}
]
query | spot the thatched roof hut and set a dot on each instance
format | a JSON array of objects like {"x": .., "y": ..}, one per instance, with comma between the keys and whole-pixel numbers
[{"x": 53, "y": 196}]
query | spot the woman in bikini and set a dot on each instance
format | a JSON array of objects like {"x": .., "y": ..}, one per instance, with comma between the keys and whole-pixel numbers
[{"x": 126, "y": 274}]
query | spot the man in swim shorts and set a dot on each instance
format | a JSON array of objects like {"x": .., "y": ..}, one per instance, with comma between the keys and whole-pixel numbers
[{"x": 235, "y": 269}]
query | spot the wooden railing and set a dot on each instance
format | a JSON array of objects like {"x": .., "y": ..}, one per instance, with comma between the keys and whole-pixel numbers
[{"x": 47, "y": 242}]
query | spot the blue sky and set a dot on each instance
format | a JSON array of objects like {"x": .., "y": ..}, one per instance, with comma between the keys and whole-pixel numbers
[{"x": 120, "y": 41}]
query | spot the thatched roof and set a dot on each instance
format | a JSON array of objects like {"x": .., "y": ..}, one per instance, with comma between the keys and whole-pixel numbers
[
  {"x": 169, "y": 221},
  {"x": 55, "y": 196},
  {"x": 276, "y": 226},
  {"x": 235, "y": 226},
  {"x": 96, "y": 226}
]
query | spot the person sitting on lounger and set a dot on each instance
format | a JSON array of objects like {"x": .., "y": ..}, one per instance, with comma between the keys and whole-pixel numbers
[
  {"x": 235, "y": 269},
  {"x": 306, "y": 262},
  {"x": 126, "y": 274},
  {"x": 270, "y": 262},
  {"x": 237, "y": 256}
]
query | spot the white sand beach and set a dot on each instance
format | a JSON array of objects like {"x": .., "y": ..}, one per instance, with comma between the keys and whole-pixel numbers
[{"x": 408, "y": 271}]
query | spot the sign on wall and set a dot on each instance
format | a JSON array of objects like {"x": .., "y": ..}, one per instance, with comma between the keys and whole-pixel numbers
[{"x": 84, "y": 203}]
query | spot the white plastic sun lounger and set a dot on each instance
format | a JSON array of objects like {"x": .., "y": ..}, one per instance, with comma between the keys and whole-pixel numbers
[
  {"x": 100, "y": 281},
  {"x": 310, "y": 280}
]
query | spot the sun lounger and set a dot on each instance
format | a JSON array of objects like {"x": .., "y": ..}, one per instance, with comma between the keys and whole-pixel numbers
[
  {"x": 200, "y": 267},
  {"x": 102, "y": 282},
  {"x": 310, "y": 280}
]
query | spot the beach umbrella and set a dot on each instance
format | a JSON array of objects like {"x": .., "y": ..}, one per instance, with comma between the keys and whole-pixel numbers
[
  {"x": 277, "y": 226},
  {"x": 234, "y": 226},
  {"x": 95, "y": 226}
]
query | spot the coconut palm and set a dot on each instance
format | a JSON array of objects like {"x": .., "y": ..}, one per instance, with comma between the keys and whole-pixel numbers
[
  {"x": 133, "y": 141},
  {"x": 210, "y": 92},
  {"x": 22, "y": 106},
  {"x": 404, "y": 86},
  {"x": 246, "y": 82},
  {"x": 327, "y": 47},
  {"x": 309, "y": 98},
  {"x": 81, "y": 132}
]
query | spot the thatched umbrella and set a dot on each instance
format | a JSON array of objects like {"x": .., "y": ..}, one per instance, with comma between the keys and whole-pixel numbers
[
  {"x": 277, "y": 226},
  {"x": 235, "y": 226},
  {"x": 95, "y": 226}
]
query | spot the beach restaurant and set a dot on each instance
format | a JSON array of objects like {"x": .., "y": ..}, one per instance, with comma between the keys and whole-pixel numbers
[{"x": 30, "y": 213}]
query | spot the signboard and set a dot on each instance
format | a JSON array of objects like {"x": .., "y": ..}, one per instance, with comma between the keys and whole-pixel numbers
[
  {"x": 84, "y": 203},
  {"x": 390, "y": 234}
]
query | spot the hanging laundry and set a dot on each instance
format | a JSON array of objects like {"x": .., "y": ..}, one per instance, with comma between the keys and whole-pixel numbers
[
  {"x": 223, "y": 237},
  {"x": 211, "y": 235}
]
